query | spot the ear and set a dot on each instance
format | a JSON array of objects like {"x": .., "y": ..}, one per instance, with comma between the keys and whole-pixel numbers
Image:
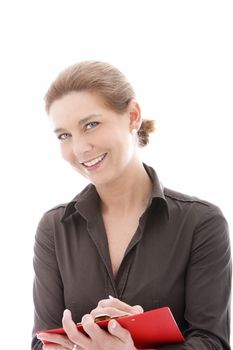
[{"x": 135, "y": 115}]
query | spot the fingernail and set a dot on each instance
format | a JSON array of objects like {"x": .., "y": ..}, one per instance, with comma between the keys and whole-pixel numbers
[
  {"x": 40, "y": 335},
  {"x": 67, "y": 315},
  {"x": 110, "y": 297},
  {"x": 137, "y": 309},
  {"x": 113, "y": 324},
  {"x": 87, "y": 318}
]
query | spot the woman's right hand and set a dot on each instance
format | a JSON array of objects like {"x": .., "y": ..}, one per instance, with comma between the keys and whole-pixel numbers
[{"x": 114, "y": 307}]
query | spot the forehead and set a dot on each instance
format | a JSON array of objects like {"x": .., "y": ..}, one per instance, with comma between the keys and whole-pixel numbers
[{"x": 79, "y": 104}]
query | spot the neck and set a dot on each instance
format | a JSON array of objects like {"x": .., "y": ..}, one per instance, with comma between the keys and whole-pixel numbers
[{"x": 129, "y": 192}]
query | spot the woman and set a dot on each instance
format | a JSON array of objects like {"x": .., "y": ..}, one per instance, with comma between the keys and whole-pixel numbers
[{"x": 124, "y": 235}]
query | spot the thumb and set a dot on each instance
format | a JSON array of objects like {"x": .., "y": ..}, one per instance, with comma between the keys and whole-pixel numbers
[{"x": 115, "y": 329}]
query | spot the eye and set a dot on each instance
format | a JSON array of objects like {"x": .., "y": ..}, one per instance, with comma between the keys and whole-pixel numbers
[
  {"x": 91, "y": 125},
  {"x": 63, "y": 136}
]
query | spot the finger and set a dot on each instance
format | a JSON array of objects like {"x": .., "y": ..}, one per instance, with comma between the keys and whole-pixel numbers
[
  {"x": 91, "y": 328},
  {"x": 114, "y": 302},
  {"x": 121, "y": 333},
  {"x": 72, "y": 332},
  {"x": 85, "y": 318},
  {"x": 55, "y": 347},
  {"x": 117, "y": 304},
  {"x": 138, "y": 309},
  {"x": 55, "y": 339},
  {"x": 109, "y": 311}
]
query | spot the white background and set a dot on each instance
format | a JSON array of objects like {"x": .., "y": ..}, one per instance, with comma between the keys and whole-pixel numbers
[{"x": 178, "y": 56}]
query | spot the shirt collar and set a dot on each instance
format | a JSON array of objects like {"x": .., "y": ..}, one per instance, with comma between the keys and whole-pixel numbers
[
  {"x": 87, "y": 202},
  {"x": 157, "y": 195}
]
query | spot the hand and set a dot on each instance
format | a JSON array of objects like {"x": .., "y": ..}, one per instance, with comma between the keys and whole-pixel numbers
[
  {"x": 111, "y": 307},
  {"x": 115, "y": 307},
  {"x": 54, "y": 341},
  {"x": 118, "y": 338}
]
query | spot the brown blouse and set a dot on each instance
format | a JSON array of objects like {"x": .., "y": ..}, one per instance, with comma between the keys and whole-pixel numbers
[{"x": 179, "y": 257}]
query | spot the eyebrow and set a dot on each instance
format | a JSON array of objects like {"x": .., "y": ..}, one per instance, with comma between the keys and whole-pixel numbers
[{"x": 80, "y": 123}]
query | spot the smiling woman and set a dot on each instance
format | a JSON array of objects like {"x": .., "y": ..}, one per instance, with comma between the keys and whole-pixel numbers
[
  {"x": 125, "y": 234},
  {"x": 95, "y": 139}
]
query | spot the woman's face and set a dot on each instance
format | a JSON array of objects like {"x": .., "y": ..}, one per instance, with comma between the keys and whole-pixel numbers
[{"x": 98, "y": 142}]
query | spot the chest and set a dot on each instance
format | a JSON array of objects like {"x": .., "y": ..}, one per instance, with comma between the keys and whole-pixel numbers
[
  {"x": 120, "y": 232},
  {"x": 152, "y": 274}
]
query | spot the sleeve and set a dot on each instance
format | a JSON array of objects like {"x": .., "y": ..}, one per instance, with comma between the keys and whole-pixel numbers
[
  {"x": 47, "y": 287},
  {"x": 208, "y": 286}
]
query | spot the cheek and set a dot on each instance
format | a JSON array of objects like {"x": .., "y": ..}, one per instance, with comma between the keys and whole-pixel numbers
[
  {"x": 68, "y": 155},
  {"x": 128, "y": 145},
  {"x": 66, "y": 152}
]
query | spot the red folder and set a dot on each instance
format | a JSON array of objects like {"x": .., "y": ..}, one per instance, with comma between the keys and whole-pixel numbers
[{"x": 148, "y": 329}]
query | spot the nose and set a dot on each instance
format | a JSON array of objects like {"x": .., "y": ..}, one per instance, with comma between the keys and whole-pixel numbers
[{"x": 81, "y": 146}]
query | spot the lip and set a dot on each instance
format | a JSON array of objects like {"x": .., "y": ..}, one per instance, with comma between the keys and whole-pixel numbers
[{"x": 95, "y": 165}]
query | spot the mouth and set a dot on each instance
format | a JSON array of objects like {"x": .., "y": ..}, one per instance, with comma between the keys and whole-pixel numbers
[{"x": 93, "y": 162}]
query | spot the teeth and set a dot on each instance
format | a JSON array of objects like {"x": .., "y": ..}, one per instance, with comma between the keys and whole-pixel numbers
[{"x": 94, "y": 161}]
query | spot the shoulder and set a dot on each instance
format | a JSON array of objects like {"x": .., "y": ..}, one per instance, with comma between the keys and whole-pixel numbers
[
  {"x": 185, "y": 198},
  {"x": 202, "y": 219},
  {"x": 180, "y": 203},
  {"x": 178, "y": 197},
  {"x": 191, "y": 205}
]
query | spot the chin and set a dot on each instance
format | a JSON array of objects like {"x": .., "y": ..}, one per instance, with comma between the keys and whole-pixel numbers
[{"x": 100, "y": 180}]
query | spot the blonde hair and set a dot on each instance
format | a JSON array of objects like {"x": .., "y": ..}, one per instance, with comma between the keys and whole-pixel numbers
[{"x": 103, "y": 79}]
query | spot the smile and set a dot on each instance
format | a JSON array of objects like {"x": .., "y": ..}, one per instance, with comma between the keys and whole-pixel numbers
[{"x": 94, "y": 161}]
